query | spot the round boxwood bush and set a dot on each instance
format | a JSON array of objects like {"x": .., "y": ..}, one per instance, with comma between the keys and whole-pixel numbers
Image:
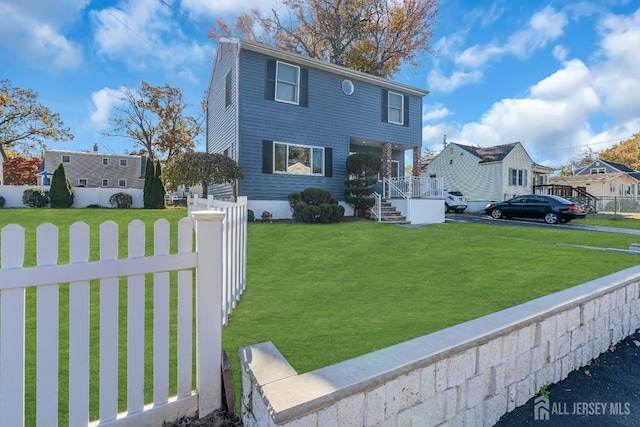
[
  {"x": 315, "y": 205},
  {"x": 35, "y": 197},
  {"x": 121, "y": 200},
  {"x": 251, "y": 217}
]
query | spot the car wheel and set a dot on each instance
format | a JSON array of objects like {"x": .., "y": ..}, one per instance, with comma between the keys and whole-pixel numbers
[
  {"x": 551, "y": 218},
  {"x": 459, "y": 210},
  {"x": 447, "y": 209},
  {"x": 496, "y": 213}
]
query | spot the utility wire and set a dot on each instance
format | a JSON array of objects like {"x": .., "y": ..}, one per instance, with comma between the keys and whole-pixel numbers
[{"x": 151, "y": 44}]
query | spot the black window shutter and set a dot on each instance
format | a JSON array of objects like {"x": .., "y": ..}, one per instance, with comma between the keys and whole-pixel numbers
[
  {"x": 328, "y": 162},
  {"x": 405, "y": 122},
  {"x": 304, "y": 87},
  {"x": 385, "y": 105},
  {"x": 270, "y": 82},
  {"x": 267, "y": 156}
]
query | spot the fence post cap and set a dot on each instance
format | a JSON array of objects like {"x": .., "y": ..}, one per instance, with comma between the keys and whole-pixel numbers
[{"x": 207, "y": 216}]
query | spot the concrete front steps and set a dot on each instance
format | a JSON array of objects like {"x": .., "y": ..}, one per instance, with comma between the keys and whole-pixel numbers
[{"x": 389, "y": 214}]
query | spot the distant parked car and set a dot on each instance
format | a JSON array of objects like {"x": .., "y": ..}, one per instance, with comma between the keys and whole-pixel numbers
[
  {"x": 552, "y": 209},
  {"x": 454, "y": 201}
]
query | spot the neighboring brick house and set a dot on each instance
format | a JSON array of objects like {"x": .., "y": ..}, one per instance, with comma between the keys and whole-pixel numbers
[
  {"x": 291, "y": 122},
  {"x": 485, "y": 174},
  {"x": 93, "y": 169}
]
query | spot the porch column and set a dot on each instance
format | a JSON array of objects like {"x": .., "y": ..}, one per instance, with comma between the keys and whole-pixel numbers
[
  {"x": 417, "y": 162},
  {"x": 386, "y": 164}
]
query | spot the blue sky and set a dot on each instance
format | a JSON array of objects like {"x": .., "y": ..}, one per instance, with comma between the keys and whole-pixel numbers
[{"x": 559, "y": 76}]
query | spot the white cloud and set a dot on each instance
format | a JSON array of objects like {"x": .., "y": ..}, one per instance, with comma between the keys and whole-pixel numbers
[
  {"x": 436, "y": 113},
  {"x": 551, "y": 120},
  {"x": 104, "y": 100},
  {"x": 544, "y": 27},
  {"x": 441, "y": 83},
  {"x": 476, "y": 56},
  {"x": 616, "y": 76},
  {"x": 143, "y": 34},
  {"x": 212, "y": 8},
  {"x": 35, "y": 33}
]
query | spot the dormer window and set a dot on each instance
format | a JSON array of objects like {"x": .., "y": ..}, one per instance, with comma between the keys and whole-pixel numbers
[{"x": 287, "y": 83}]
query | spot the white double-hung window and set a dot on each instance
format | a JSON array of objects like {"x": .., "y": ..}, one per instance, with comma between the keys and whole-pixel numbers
[
  {"x": 298, "y": 159},
  {"x": 396, "y": 108},
  {"x": 287, "y": 83}
]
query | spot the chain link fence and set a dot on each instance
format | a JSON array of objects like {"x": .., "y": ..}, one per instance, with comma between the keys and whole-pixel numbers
[{"x": 618, "y": 205}]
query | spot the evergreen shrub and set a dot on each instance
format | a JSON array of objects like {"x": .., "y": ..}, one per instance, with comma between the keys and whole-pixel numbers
[
  {"x": 35, "y": 197},
  {"x": 60, "y": 192},
  {"x": 121, "y": 200}
]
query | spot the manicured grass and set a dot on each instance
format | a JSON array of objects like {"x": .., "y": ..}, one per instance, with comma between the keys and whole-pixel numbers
[
  {"x": 620, "y": 220},
  {"x": 326, "y": 293}
]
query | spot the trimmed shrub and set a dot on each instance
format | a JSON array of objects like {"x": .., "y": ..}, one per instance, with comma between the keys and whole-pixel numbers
[
  {"x": 35, "y": 197},
  {"x": 315, "y": 205},
  {"x": 121, "y": 200},
  {"x": 1, "y": 202},
  {"x": 60, "y": 193},
  {"x": 359, "y": 190},
  {"x": 251, "y": 217}
]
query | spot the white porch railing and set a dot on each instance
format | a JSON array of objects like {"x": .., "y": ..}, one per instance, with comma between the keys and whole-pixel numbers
[
  {"x": 376, "y": 210},
  {"x": 234, "y": 243},
  {"x": 210, "y": 261},
  {"x": 416, "y": 187}
]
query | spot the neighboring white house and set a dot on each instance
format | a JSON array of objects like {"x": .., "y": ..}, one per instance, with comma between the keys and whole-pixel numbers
[
  {"x": 486, "y": 174},
  {"x": 94, "y": 169}
]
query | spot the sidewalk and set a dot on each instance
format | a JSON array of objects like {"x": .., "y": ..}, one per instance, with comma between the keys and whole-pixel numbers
[{"x": 603, "y": 393}]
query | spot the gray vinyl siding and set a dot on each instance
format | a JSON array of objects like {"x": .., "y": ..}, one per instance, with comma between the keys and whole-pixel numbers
[
  {"x": 329, "y": 120},
  {"x": 221, "y": 118},
  {"x": 89, "y": 166}
]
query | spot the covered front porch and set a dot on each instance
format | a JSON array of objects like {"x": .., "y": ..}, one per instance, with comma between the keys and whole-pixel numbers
[{"x": 402, "y": 197}]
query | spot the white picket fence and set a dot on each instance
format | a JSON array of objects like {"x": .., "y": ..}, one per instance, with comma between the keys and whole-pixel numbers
[
  {"x": 210, "y": 260},
  {"x": 234, "y": 243}
]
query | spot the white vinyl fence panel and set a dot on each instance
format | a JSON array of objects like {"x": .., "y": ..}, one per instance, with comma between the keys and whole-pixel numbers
[{"x": 215, "y": 235}]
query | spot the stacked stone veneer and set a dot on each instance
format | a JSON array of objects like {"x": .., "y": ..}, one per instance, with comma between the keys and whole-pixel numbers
[{"x": 466, "y": 375}]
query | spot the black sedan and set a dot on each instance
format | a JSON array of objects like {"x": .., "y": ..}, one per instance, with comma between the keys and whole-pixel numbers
[{"x": 552, "y": 209}]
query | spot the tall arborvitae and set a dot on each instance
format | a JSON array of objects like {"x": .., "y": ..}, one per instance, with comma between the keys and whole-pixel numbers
[
  {"x": 60, "y": 193},
  {"x": 149, "y": 175},
  {"x": 158, "y": 188}
]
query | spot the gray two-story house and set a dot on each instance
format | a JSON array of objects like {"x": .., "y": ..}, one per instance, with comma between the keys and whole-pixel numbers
[{"x": 291, "y": 122}]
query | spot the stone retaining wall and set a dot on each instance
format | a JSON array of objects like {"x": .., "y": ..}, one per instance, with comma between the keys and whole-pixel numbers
[{"x": 469, "y": 374}]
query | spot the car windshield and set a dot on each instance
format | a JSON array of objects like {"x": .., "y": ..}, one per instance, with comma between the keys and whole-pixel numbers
[{"x": 455, "y": 193}]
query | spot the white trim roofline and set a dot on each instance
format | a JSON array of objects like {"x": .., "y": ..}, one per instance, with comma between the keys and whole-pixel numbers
[{"x": 322, "y": 65}]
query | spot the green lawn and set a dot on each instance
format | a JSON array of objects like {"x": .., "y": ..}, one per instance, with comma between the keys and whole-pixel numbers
[{"x": 326, "y": 293}]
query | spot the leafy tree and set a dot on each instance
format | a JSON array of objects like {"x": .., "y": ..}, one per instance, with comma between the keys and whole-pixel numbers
[
  {"x": 568, "y": 168},
  {"x": 25, "y": 123},
  {"x": 20, "y": 170},
  {"x": 60, "y": 193},
  {"x": 362, "y": 167},
  {"x": 155, "y": 119},
  {"x": 373, "y": 36},
  {"x": 626, "y": 153},
  {"x": 192, "y": 168}
]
